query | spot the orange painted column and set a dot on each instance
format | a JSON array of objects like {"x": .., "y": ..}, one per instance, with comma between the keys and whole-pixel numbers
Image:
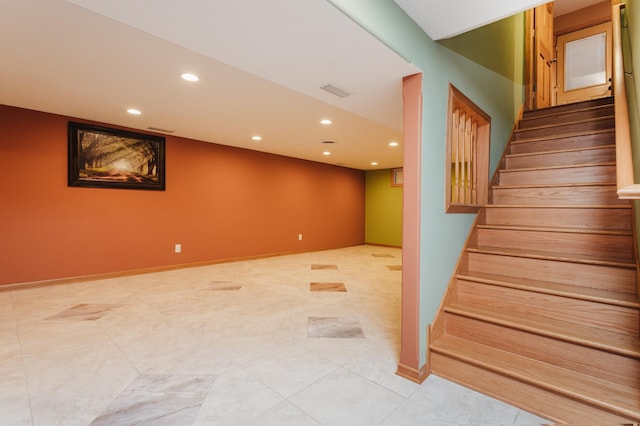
[{"x": 409, "y": 364}]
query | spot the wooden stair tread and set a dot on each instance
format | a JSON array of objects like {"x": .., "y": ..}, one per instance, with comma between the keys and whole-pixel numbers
[
  {"x": 554, "y": 109},
  {"x": 567, "y": 166},
  {"x": 565, "y": 229},
  {"x": 622, "y": 344},
  {"x": 554, "y": 185},
  {"x": 559, "y": 206},
  {"x": 558, "y": 289},
  {"x": 565, "y": 123},
  {"x": 551, "y": 113},
  {"x": 564, "y": 257},
  {"x": 560, "y": 151},
  {"x": 563, "y": 135},
  {"x": 574, "y": 111},
  {"x": 618, "y": 399}
]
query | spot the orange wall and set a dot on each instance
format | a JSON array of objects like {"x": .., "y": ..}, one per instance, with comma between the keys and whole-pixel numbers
[{"x": 220, "y": 203}]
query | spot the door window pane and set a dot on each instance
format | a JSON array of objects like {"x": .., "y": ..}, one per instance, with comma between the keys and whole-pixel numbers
[{"x": 585, "y": 62}]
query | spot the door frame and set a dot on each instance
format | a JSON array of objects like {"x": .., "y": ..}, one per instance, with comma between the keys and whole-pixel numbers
[{"x": 530, "y": 63}]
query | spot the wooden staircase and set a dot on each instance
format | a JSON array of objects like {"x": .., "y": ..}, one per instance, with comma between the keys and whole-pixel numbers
[{"x": 542, "y": 311}]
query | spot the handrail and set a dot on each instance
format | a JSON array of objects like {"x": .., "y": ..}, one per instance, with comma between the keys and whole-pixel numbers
[{"x": 626, "y": 186}]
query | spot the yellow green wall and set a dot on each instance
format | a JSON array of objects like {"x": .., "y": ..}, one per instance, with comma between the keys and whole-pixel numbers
[
  {"x": 631, "y": 50},
  {"x": 383, "y": 209}
]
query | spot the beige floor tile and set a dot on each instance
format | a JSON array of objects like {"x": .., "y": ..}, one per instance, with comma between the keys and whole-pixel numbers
[{"x": 242, "y": 328}]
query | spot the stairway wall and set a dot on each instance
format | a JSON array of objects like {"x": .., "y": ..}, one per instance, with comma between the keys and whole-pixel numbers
[{"x": 497, "y": 90}]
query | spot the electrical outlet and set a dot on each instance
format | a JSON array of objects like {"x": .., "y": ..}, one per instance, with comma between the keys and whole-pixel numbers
[
  {"x": 299, "y": 237},
  {"x": 178, "y": 248}
]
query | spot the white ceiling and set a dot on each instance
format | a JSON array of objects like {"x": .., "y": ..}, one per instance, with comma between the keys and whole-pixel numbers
[
  {"x": 261, "y": 64},
  {"x": 440, "y": 19}
]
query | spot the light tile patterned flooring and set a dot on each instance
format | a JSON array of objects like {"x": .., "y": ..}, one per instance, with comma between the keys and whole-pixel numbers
[{"x": 242, "y": 343}]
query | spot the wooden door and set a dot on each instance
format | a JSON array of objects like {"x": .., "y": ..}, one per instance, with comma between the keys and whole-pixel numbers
[
  {"x": 544, "y": 63},
  {"x": 584, "y": 64}
]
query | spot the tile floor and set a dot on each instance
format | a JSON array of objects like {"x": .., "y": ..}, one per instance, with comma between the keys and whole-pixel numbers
[{"x": 243, "y": 343}]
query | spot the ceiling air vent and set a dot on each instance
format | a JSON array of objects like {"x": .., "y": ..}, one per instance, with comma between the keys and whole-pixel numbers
[
  {"x": 157, "y": 129},
  {"x": 335, "y": 90}
]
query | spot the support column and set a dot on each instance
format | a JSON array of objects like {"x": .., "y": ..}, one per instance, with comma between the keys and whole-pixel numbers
[{"x": 409, "y": 364}]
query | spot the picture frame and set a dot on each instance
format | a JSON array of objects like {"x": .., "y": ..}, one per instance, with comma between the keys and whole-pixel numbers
[{"x": 102, "y": 157}]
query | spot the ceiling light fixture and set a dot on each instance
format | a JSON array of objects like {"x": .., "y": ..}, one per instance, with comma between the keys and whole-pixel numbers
[
  {"x": 326, "y": 153},
  {"x": 134, "y": 111},
  {"x": 394, "y": 144},
  {"x": 256, "y": 138},
  {"x": 189, "y": 77},
  {"x": 374, "y": 163},
  {"x": 325, "y": 121}
]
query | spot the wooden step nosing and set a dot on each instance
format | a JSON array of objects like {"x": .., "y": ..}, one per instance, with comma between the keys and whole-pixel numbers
[
  {"x": 599, "y": 110},
  {"x": 560, "y": 293},
  {"x": 552, "y": 257},
  {"x": 560, "y": 206},
  {"x": 566, "y": 123},
  {"x": 540, "y": 331},
  {"x": 559, "y": 229},
  {"x": 561, "y": 151},
  {"x": 604, "y": 100},
  {"x": 564, "y": 166},
  {"x": 554, "y": 185},
  {"x": 551, "y": 114},
  {"x": 562, "y": 136},
  {"x": 618, "y": 409}
]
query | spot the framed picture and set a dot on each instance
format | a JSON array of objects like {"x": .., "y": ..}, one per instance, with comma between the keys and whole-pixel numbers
[
  {"x": 397, "y": 177},
  {"x": 101, "y": 157}
]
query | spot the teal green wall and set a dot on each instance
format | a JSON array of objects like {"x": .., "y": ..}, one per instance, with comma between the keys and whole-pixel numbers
[
  {"x": 383, "y": 209},
  {"x": 495, "y": 85}
]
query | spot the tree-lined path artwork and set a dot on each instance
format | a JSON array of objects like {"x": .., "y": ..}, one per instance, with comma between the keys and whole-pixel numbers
[{"x": 115, "y": 158}]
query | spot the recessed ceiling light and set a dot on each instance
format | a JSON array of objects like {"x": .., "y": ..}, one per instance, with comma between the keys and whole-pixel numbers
[
  {"x": 256, "y": 138},
  {"x": 374, "y": 163},
  {"x": 325, "y": 121},
  {"x": 394, "y": 143},
  {"x": 326, "y": 153},
  {"x": 189, "y": 77},
  {"x": 134, "y": 111}
]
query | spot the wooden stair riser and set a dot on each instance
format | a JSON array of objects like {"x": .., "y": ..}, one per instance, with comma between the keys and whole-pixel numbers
[
  {"x": 570, "y": 175},
  {"x": 579, "y": 126},
  {"x": 606, "y": 154},
  {"x": 608, "y": 317},
  {"x": 594, "y": 139},
  {"x": 584, "y": 359},
  {"x": 525, "y": 395},
  {"x": 560, "y": 109},
  {"x": 576, "y": 243},
  {"x": 599, "y": 218},
  {"x": 553, "y": 195},
  {"x": 603, "y": 277},
  {"x": 566, "y": 117}
]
